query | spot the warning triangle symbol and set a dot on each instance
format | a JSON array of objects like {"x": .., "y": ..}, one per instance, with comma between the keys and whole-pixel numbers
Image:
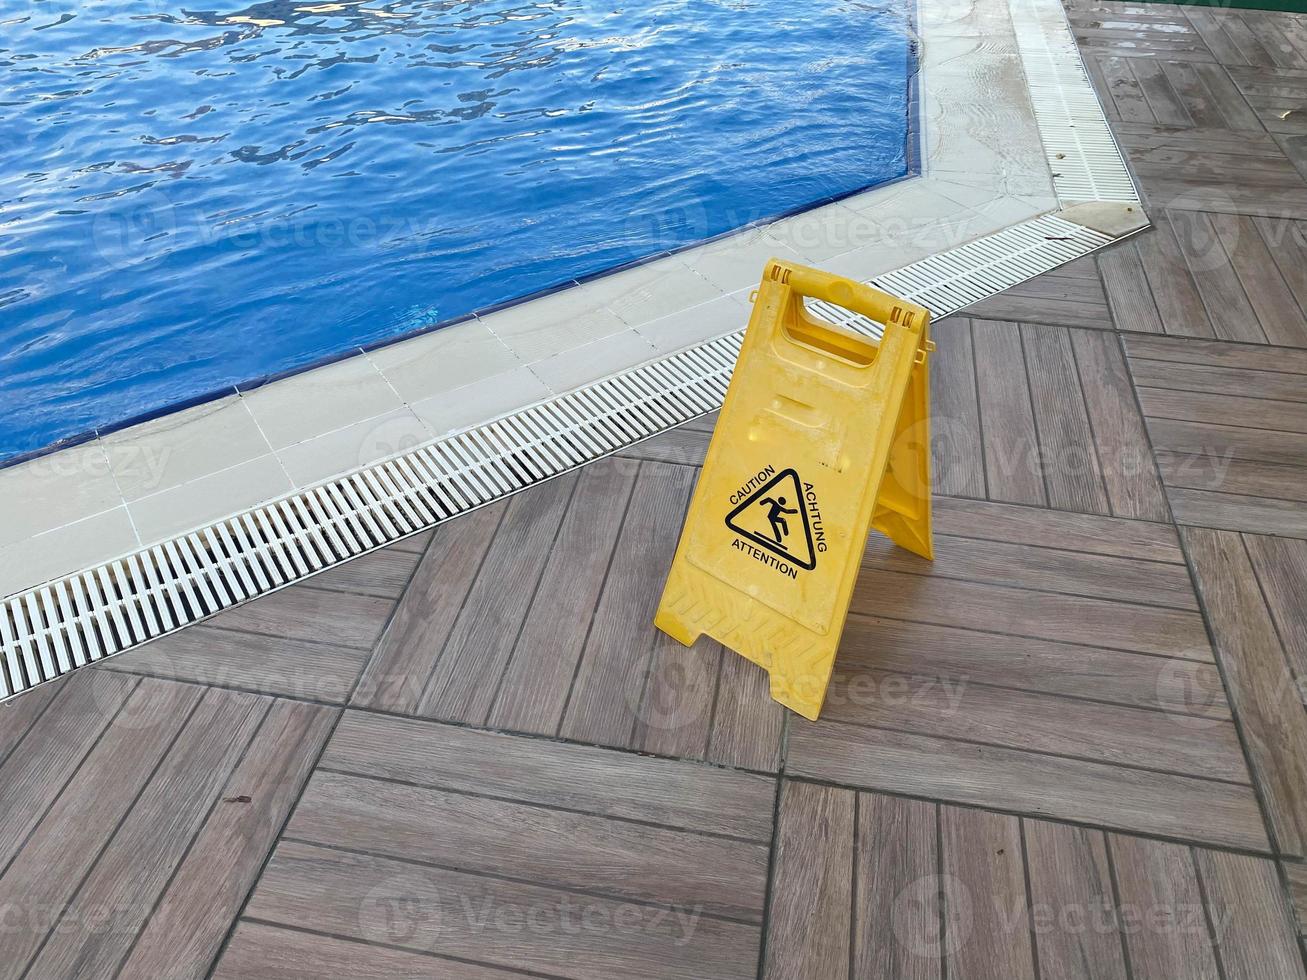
[{"x": 772, "y": 516}]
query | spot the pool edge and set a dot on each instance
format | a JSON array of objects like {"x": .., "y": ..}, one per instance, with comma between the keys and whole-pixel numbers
[{"x": 42, "y": 627}]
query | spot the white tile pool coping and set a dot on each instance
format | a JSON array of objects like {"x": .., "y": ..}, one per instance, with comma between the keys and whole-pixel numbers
[{"x": 993, "y": 130}]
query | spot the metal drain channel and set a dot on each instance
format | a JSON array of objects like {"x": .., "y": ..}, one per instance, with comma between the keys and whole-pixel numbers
[{"x": 51, "y": 630}]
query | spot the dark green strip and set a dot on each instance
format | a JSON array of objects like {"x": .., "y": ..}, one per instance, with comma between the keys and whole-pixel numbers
[{"x": 1285, "y": 6}]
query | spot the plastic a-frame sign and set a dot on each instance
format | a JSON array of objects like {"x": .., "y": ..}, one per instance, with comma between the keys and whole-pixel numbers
[{"x": 823, "y": 436}]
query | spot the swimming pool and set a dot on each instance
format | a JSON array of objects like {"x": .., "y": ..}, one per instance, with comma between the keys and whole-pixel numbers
[{"x": 192, "y": 201}]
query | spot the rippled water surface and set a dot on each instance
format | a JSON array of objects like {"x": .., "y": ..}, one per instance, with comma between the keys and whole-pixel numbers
[{"x": 192, "y": 198}]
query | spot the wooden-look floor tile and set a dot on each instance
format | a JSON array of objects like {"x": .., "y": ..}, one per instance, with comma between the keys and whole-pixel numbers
[
  {"x": 1262, "y": 687},
  {"x": 1281, "y": 568},
  {"x": 532, "y": 693},
  {"x": 55, "y": 746},
  {"x": 1213, "y": 170},
  {"x": 611, "y": 678},
  {"x": 1152, "y": 875},
  {"x": 1201, "y": 913},
  {"x": 396, "y": 676},
  {"x": 462, "y": 827},
  {"x": 995, "y": 657},
  {"x": 635, "y": 687},
  {"x": 1040, "y": 415},
  {"x": 1101, "y": 43},
  {"x": 251, "y": 662},
  {"x": 384, "y": 573},
  {"x": 561, "y": 848},
  {"x": 45, "y": 874},
  {"x": 463, "y": 681},
  {"x": 869, "y": 885},
  {"x": 263, "y": 952},
  {"x": 1181, "y": 688},
  {"x": 135, "y": 868},
  {"x": 536, "y": 615},
  {"x": 981, "y": 861},
  {"x": 1000, "y": 721},
  {"x": 1070, "y": 296},
  {"x": 620, "y": 785},
  {"x": 1228, "y": 423},
  {"x": 1222, "y": 814},
  {"x": 682, "y": 444},
  {"x": 1296, "y": 875},
  {"x": 302, "y": 612},
  {"x": 810, "y": 920},
  {"x": 1073, "y": 907},
  {"x": 209, "y": 886},
  {"x": 484, "y": 919},
  {"x": 1246, "y": 903},
  {"x": 147, "y": 853},
  {"x": 17, "y": 715},
  {"x": 896, "y": 918}
]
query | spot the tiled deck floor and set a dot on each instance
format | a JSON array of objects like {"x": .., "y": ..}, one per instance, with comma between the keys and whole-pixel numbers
[{"x": 1074, "y": 746}]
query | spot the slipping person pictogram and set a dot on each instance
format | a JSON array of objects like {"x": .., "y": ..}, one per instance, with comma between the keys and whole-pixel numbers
[
  {"x": 760, "y": 516},
  {"x": 779, "y": 529}
]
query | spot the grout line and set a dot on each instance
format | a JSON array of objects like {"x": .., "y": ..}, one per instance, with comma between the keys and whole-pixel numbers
[
  {"x": 1030, "y": 899},
  {"x": 1212, "y": 938},
  {"x": 1115, "y": 885},
  {"x": 769, "y": 891},
  {"x": 240, "y": 395},
  {"x": 853, "y": 888},
  {"x": 122, "y": 497},
  {"x": 941, "y": 898},
  {"x": 1089, "y": 422}
]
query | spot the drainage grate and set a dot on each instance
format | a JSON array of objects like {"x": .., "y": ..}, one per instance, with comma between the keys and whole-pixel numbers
[
  {"x": 1083, "y": 155},
  {"x": 952, "y": 280},
  {"x": 51, "y": 630}
]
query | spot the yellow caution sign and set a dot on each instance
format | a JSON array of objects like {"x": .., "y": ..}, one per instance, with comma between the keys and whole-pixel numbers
[{"x": 824, "y": 435}]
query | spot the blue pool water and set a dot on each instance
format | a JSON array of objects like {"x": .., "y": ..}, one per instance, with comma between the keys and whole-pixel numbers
[{"x": 193, "y": 199}]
